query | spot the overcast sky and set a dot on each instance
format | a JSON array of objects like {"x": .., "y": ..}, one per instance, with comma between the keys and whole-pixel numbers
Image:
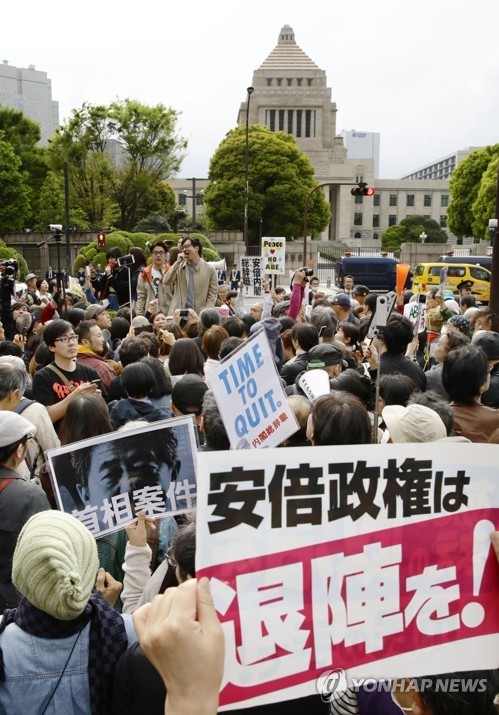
[{"x": 424, "y": 74}]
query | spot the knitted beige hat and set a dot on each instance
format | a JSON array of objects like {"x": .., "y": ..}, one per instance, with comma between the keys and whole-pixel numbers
[{"x": 55, "y": 564}]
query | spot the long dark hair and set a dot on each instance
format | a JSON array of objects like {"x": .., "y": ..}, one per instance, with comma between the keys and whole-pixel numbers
[
  {"x": 86, "y": 416},
  {"x": 186, "y": 357}
]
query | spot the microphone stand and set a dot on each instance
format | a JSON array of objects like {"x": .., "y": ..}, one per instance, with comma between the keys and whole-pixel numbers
[{"x": 61, "y": 288}]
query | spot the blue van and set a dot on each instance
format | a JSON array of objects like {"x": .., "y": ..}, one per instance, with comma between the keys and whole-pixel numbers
[{"x": 375, "y": 272}]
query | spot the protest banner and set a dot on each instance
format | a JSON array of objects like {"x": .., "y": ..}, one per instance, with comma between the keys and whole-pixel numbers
[
  {"x": 374, "y": 560},
  {"x": 274, "y": 255},
  {"x": 416, "y": 313},
  {"x": 251, "y": 276},
  {"x": 251, "y": 398},
  {"x": 106, "y": 480}
]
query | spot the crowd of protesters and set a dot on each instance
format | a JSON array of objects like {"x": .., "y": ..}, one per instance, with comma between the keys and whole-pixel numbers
[{"x": 76, "y": 366}]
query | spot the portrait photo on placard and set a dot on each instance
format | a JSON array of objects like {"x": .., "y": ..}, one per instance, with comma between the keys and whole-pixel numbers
[{"x": 106, "y": 480}]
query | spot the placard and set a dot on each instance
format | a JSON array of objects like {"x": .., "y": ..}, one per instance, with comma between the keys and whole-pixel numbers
[
  {"x": 106, "y": 480},
  {"x": 373, "y": 561}
]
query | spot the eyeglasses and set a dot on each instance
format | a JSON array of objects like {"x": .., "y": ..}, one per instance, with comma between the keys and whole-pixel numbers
[
  {"x": 67, "y": 339},
  {"x": 158, "y": 253},
  {"x": 169, "y": 557}
]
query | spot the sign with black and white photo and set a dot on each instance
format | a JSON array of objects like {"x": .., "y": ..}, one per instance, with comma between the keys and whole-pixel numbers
[{"x": 106, "y": 480}]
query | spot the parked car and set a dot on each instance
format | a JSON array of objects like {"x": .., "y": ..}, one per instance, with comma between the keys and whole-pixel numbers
[
  {"x": 484, "y": 261},
  {"x": 375, "y": 272},
  {"x": 427, "y": 275}
]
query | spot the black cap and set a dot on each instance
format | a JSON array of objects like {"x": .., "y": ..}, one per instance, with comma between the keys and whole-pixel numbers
[
  {"x": 465, "y": 284},
  {"x": 323, "y": 355},
  {"x": 360, "y": 290},
  {"x": 188, "y": 393}
]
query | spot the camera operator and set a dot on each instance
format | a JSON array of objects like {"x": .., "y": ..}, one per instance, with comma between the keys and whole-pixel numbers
[
  {"x": 8, "y": 270},
  {"x": 113, "y": 285}
]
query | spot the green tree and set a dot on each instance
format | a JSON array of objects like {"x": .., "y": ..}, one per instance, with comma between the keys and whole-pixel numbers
[
  {"x": 409, "y": 231},
  {"x": 464, "y": 187},
  {"x": 127, "y": 189},
  {"x": 280, "y": 178},
  {"x": 14, "y": 190},
  {"x": 23, "y": 135},
  {"x": 484, "y": 206}
]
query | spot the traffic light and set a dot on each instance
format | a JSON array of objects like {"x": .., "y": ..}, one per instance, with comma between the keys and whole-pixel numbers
[
  {"x": 362, "y": 190},
  {"x": 101, "y": 239}
]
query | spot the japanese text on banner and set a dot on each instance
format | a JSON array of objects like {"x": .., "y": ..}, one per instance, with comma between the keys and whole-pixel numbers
[{"x": 364, "y": 564}]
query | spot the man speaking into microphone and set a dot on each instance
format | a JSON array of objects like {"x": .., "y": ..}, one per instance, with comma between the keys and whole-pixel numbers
[{"x": 192, "y": 280}]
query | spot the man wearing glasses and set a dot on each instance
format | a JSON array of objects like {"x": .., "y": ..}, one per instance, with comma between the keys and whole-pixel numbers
[
  {"x": 58, "y": 384},
  {"x": 150, "y": 285}
]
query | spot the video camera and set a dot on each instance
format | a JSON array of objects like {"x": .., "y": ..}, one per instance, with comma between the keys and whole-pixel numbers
[{"x": 11, "y": 267}]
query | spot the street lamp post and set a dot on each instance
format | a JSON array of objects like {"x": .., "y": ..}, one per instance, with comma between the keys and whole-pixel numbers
[
  {"x": 193, "y": 197},
  {"x": 250, "y": 91},
  {"x": 307, "y": 200}
]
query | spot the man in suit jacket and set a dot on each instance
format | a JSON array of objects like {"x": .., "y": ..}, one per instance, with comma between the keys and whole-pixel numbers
[{"x": 192, "y": 280}]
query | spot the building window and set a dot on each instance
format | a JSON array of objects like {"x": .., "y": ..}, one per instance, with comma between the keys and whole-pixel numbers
[
  {"x": 281, "y": 120},
  {"x": 279, "y": 81},
  {"x": 289, "y": 81},
  {"x": 308, "y": 122},
  {"x": 392, "y": 220},
  {"x": 182, "y": 199},
  {"x": 290, "y": 121},
  {"x": 309, "y": 81},
  {"x": 427, "y": 200},
  {"x": 444, "y": 200},
  {"x": 269, "y": 82},
  {"x": 375, "y": 220},
  {"x": 357, "y": 219},
  {"x": 298, "y": 122},
  {"x": 393, "y": 199},
  {"x": 359, "y": 199},
  {"x": 272, "y": 120},
  {"x": 443, "y": 221},
  {"x": 298, "y": 82},
  {"x": 410, "y": 200},
  {"x": 377, "y": 200}
]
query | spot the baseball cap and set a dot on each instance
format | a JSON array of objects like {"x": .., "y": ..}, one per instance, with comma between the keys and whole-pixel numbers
[
  {"x": 488, "y": 340},
  {"x": 323, "y": 355},
  {"x": 415, "y": 423},
  {"x": 188, "y": 393},
  {"x": 342, "y": 300},
  {"x": 13, "y": 428},
  {"x": 94, "y": 310}
]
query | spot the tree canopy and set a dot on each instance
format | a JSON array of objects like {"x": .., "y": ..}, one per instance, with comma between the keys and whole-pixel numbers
[
  {"x": 22, "y": 135},
  {"x": 472, "y": 204},
  {"x": 409, "y": 231},
  {"x": 119, "y": 156},
  {"x": 280, "y": 178},
  {"x": 14, "y": 190}
]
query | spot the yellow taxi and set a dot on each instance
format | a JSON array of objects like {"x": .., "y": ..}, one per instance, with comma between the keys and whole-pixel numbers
[{"x": 427, "y": 275}]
